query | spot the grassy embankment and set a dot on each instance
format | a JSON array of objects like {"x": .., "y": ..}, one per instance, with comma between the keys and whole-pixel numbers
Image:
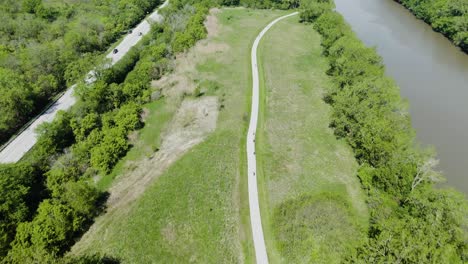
[
  {"x": 312, "y": 207},
  {"x": 197, "y": 210}
]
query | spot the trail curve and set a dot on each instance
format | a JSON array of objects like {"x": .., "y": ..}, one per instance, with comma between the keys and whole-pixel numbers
[{"x": 255, "y": 217}]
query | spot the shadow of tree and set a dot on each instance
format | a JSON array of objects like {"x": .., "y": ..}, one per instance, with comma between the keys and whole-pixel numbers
[{"x": 92, "y": 259}]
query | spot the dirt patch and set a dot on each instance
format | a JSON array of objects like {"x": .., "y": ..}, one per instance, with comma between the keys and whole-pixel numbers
[
  {"x": 176, "y": 84},
  {"x": 194, "y": 120},
  {"x": 133, "y": 137},
  {"x": 210, "y": 47},
  {"x": 169, "y": 233},
  {"x": 182, "y": 80},
  {"x": 211, "y": 23},
  {"x": 144, "y": 114}
]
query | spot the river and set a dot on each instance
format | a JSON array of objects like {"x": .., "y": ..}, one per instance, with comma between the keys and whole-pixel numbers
[{"x": 432, "y": 74}]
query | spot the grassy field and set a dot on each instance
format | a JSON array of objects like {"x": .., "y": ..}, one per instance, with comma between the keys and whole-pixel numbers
[
  {"x": 197, "y": 211},
  {"x": 312, "y": 206}
]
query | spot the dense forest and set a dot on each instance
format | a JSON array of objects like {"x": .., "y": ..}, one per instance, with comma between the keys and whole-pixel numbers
[
  {"x": 450, "y": 17},
  {"x": 46, "y": 46},
  {"x": 411, "y": 221}
]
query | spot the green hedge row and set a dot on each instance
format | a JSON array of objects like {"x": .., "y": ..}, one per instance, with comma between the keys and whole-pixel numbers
[{"x": 411, "y": 221}]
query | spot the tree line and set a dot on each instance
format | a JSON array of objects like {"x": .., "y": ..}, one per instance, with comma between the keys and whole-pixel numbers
[
  {"x": 411, "y": 221},
  {"x": 449, "y": 17},
  {"x": 46, "y": 46}
]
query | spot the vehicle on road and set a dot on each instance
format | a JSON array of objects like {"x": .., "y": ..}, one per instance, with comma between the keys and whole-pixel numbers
[
  {"x": 115, "y": 51},
  {"x": 139, "y": 33}
]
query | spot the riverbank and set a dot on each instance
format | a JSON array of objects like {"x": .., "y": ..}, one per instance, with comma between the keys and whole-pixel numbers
[
  {"x": 431, "y": 72},
  {"x": 397, "y": 176},
  {"x": 448, "y": 17}
]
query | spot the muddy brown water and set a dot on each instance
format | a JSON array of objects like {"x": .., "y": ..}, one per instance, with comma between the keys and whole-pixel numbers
[{"x": 432, "y": 74}]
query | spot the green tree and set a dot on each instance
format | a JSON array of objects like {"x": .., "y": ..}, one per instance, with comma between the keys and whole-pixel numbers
[
  {"x": 15, "y": 100},
  {"x": 46, "y": 86},
  {"x": 47, "y": 236},
  {"x": 107, "y": 153},
  {"x": 30, "y": 6},
  {"x": 331, "y": 26},
  {"x": 76, "y": 70},
  {"x": 65, "y": 169},
  {"x": 83, "y": 126},
  {"x": 128, "y": 117},
  {"x": 15, "y": 183},
  {"x": 82, "y": 199},
  {"x": 429, "y": 230},
  {"x": 312, "y": 9}
]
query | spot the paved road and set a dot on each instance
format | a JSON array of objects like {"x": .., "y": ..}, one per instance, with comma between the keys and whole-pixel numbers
[
  {"x": 255, "y": 218},
  {"x": 15, "y": 150}
]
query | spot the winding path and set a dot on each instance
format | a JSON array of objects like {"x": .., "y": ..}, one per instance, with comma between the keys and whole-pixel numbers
[
  {"x": 16, "y": 148},
  {"x": 255, "y": 218}
]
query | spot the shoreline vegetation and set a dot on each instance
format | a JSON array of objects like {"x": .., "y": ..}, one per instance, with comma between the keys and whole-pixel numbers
[
  {"x": 411, "y": 220},
  {"x": 449, "y": 17}
]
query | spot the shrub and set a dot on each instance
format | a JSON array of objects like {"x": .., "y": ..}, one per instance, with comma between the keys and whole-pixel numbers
[
  {"x": 312, "y": 9},
  {"x": 113, "y": 145},
  {"x": 128, "y": 117},
  {"x": 332, "y": 27}
]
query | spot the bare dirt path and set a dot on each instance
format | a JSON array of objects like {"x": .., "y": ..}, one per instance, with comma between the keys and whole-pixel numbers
[
  {"x": 16, "y": 148},
  {"x": 255, "y": 217}
]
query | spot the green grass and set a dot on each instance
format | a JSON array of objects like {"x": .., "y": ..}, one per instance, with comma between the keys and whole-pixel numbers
[
  {"x": 188, "y": 214},
  {"x": 197, "y": 211},
  {"x": 313, "y": 210}
]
